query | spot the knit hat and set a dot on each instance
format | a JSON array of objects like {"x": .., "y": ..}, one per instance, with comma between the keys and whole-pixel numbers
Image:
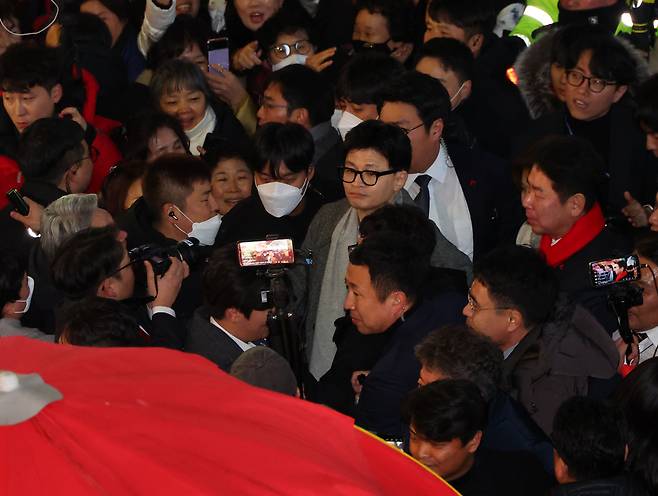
[{"x": 265, "y": 368}]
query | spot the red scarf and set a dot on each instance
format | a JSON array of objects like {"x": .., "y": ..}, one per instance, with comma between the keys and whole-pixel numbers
[{"x": 588, "y": 227}]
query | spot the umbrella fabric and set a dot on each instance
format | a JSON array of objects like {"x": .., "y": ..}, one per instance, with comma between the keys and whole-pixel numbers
[{"x": 161, "y": 422}]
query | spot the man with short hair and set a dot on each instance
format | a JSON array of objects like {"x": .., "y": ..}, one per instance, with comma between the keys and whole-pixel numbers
[
  {"x": 298, "y": 94},
  {"x": 457, "y": 352},
  {"x": 468, "y": 194},
  {"x": 561, "y": 205},
  {"x": 390, "y": 292},
  {"x": 553, "y": 349},
  {"x": 446, "y": 422},
  {"x": 234, "y": 313}
]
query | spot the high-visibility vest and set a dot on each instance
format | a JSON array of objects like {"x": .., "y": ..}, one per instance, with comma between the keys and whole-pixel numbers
[{"x": 538, "y": 13}]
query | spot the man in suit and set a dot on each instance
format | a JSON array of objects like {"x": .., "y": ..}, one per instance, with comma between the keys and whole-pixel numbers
[
  {"x": 299, "y": 94},
  {"x": 235, "y": 310},
  {"x": 468, "y": 194}
]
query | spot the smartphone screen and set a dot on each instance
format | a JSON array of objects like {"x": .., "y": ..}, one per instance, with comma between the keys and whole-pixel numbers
[
  {"x": 267, "y": 252},
  {"x": 218, "y": 53},
  {"x": 613, "y": 270}
]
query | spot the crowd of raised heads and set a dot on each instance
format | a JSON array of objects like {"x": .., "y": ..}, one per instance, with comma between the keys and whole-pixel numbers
[{"x": 433, "y": 216}]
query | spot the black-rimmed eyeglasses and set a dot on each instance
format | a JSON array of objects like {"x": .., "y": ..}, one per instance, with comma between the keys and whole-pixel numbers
[{"x": 368, "y": 177}]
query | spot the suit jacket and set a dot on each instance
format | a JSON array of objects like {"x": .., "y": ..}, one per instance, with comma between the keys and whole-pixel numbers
[
  {"x": 206, "y": 340},
  {"x": 494, "y": 203}
]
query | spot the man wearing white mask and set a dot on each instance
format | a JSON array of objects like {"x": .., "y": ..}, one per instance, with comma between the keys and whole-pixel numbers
[
  {"x": 16, "y": 290},
  {"x": 285, "y": 202},
  {"x": 175, "y": 206},
  {"x": 360, "y": 85},
  {"x": 298, "y": 94}
]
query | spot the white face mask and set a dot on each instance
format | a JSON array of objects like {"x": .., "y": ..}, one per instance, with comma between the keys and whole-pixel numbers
[
  {"x": 280, "y": 199},
  {"x": 452, "y": 98},
  {"x": 295, "y": 58},
  {"x": 28, "y": 300},
  {"x": 346, "y": 123},
  {"x": 205, "y": 231}
]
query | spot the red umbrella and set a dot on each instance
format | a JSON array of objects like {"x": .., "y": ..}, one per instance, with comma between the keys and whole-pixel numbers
[{"x": 160, "y": 422}]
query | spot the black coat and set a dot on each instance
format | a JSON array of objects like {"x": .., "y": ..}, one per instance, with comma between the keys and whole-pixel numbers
[
  {"x": 630, "y": 166},
  {"x": 206, "y": 340},
  {"x": 623, "y": 485},
  {"x": 329, "y": 155},
  {"x": 15, "y": 239},
  {"x": 249, "y": 221},
  {"x": 493, "y": 201}
]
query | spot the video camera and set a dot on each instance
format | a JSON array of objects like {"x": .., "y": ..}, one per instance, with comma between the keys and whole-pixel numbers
[
  {"x": 616, "y": 274},
  {"x": 187, "y": 250}
]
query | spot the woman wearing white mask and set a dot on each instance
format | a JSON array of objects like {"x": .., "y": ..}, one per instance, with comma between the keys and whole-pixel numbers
[
  {"x": 284, "y": 204},
  {"x": 16, "y": 290}
]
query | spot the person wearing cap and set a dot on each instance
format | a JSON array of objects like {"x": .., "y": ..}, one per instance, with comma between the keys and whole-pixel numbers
[{"x": 265, "y": 368}]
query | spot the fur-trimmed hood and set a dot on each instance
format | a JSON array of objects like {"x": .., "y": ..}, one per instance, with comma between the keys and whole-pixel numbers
[{"x": 534, "y": 72}]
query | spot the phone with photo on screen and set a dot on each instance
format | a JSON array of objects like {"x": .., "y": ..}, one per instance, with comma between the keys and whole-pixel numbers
[
  {"x": 266, "y": 252},
  {"x": 218, "y": 53}
]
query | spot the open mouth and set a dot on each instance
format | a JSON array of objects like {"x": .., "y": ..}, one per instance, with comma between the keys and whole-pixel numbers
[
  {"x": 257, "y": 17},
  {"x": 183, "y": 8}
]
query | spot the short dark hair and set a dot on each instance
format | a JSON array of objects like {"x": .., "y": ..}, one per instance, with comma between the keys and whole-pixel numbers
[
  {"x": 288, "y": 143},
  {"x": 175, "y": 75},
  {"x": 98, "y": 322},
  {"x": 474, "y": 17},
  {"x": 407, "y": 221},
  {"x": 216, "y": 154},
  {"x": 302, "y": 87},
  {"x": 461, "y": 353},
  {"x": 398, "y": 15},
  {"x": 11, "y": 279},
  {"x": 142, "y": 127},
  {"x": 171, "y": 179},
  {"x": 179, "y": 36},
  {"x": 120, "y": 8},
  {"x": 117, "y": 182},
  {"x": 445, "y": 410},
  {"x": 572, "y": 165},
  {"x": 647, "y": 246},
  {"x": 386, "y": 139},
  {"x": 611, "y": 60},
  {"x": 647, "y": 104},
  {"x": 426, "y": 94},
  {"x": 85, "y": 260},
  {"x": 393, "y": 263},
  {"x": 587, "y": 436},
  {"x": 285, "y": 21},
  {"x": 452, "y": 54},
  {"x": 25, "y": 65},
  {"x": 365, "y": 77},
  {"x": 519, "y": 278},
  {"x": 227, "y": 285},
  {"x": 49, "y": 147}
]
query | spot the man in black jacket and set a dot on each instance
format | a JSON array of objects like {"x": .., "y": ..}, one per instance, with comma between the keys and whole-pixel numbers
[
  {"x": 234, "y": 313},
  {"x": 468, "y": 194}
]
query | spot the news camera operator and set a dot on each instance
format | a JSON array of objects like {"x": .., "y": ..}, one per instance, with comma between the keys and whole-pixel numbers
[
  {"x": 234, "y": 313},
  {"x": 95, "y": 262},
  {"x": 175, "y": 206}
]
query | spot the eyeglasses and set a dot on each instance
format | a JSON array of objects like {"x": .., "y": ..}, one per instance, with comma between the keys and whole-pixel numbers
[
  {"x": 93, "y": 155},
  {"x": 368, "y": 177},
  {"x": 475, "y": 306},
  {"x": 596, "y": 85},
  {"x": 285, "y": 50},
  {"x": 407, "y": 131},
  {"x": 262, "y": 102}
]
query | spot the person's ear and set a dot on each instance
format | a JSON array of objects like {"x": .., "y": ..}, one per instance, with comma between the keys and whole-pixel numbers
[
  {"x": 400, "y": 180},
  {"x": 108, "y": 288},
  {"x": 576, "y": 205},
  {"x": 310, "y": 172},
  {"x": 619, "y": 93},
  {"x": 234, "y": 315},
  {"x": 515, "y": 320},
  {"x": 169, "y": 213},
  {"x": 467, "y": 89},
  {"x": 436, "y": 130},
  {"x": 56, "y": 93},
  {"x": 475, "y": 43},
  {"x": 473, "y": 445},
  {"x": 399, "y": 302},
  {"x": 300, "y": 116}
]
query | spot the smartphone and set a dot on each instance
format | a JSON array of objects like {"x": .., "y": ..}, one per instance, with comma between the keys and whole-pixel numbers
[
  {"x": 17, "y": 201},
  {"x": 266, "y": 252},
  {"x": 218, "y": 53},
  {"x": 614, "y": 270}
]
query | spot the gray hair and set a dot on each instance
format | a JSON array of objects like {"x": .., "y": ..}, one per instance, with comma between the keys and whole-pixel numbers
[
  {"x": 63, "y": 218},
  {"x": 176, "y": 75}
]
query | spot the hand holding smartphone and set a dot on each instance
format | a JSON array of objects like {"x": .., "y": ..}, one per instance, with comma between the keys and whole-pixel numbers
[{"x": 218, "y": 53}]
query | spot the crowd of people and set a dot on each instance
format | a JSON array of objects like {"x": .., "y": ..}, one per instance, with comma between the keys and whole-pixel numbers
[{"x": 452, "y": 196}]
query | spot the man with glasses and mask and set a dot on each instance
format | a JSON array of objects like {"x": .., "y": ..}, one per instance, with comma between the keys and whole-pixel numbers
[
  {"x": 552, "y": 348},
  {"x": 600, "y": 70}
]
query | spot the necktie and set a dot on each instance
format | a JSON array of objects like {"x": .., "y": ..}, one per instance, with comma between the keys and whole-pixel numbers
[{"x": 423, "y": 197}]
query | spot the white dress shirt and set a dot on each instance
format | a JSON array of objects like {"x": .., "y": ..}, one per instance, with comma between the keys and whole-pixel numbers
[
  {"x": 448, "y": 207},
  {"x": 243, "y": 346}
]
